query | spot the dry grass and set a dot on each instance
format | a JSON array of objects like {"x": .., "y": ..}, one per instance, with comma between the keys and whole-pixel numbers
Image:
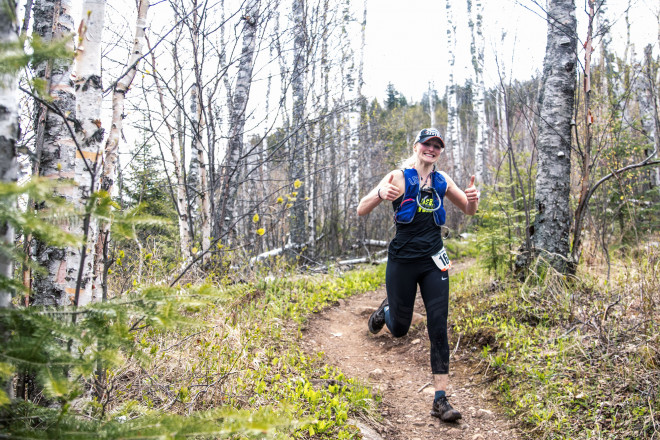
[{"x": 577, "y": 357}]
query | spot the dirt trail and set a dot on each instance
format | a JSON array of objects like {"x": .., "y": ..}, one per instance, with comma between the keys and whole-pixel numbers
[{"x": 400, "y": 368}]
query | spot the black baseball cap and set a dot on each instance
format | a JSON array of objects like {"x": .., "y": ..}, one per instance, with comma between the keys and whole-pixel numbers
[{"x": 429, "y": 133}]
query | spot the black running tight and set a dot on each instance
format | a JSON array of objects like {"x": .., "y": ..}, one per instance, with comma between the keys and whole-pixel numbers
[{"x": 401, "y": 280}]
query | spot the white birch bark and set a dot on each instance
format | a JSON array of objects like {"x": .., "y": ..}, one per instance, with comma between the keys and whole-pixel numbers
[
  {"x": 363, "y": 42},
  {"x": 328, "y": 136},
  {"x": 181, "y": 199},
  {"x": 89, "y": 95},
  {"x": 193, "y": 177},
  {"x": 118, "y": 98},
  {"x": 236, "y": 149},
  {"x": 197, "y": 123},
  {"x": 353, "y": 119},
  {"x": 316, "y": 152},
  {"x": 452, "y": 140},
  {"x": 623, "y": 81},
  {"x": 9, "y": 131},
  {"x": 502, "y": 116},
  {"x": 263, "y": 153},
  {"x": 647, "y": 95},
  {"x": 57, "y": 154},
  {"x": 195, "y": 190},
  {"x": 111, "y": 152},
  {"x": 477, "y": 49},
  {"x": 431, "y": 105},
  {"x": 224, "y": 121},
  {"x": 297, "y": 216},
  {"x": 553, "y": 213},
  {"x": 180, "y": 137}
]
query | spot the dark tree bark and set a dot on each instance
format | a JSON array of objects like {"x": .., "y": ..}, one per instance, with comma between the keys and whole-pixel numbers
[
  {"x": 56, "y": 150},
  {"x": 236, "y": 151},
  {"x": 553, "y": 214}
]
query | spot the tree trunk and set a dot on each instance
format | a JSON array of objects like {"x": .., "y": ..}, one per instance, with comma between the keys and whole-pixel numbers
[
  {"x": 9, "y": 131},
  {"x": 118, "y": 97},
  {"x": 232, "y": 168},
  {"x": 89, "y": 96},
  {"x": 431, "y": 97},
  {"x": 181, "y": 201},
  {"x": 452, "y": 142},
  {"x": 57, "y": 152},
  {"x": 202, "y": 185},
  {"x": 353, "y": 119},
  {"x": 297, "y": 216},
  {"x": 649, "y": 101},
  {"x": 553, "y": 216},
  {"x": 112, "y": 143},
  {"x": 477, "y": 49},
  {"x": 328, "y": 138},
  {"x": 584, "y": 152}
]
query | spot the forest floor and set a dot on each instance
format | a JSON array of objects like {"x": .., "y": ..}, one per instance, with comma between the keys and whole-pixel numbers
[{"x": 400, "y": 370}]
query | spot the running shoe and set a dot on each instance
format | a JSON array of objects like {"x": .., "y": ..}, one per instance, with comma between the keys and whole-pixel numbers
[
  {"x": 444, "y": 411},
  {"x": 377, "y": 318}
]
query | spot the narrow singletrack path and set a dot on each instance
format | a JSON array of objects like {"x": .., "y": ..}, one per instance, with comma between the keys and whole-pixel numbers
[{"x": 400, "y": 369}]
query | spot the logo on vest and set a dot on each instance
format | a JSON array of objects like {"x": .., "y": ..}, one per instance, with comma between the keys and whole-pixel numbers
[{"x": 426, "y": 204}]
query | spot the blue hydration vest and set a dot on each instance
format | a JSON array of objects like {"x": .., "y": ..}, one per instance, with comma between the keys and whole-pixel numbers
[{"x": 408, "y": 207}]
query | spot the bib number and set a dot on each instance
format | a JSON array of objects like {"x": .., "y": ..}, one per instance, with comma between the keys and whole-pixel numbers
[{"x": 442, "y": 260}]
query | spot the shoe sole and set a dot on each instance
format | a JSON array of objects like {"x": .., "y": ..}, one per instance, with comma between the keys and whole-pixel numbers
[
  {"x": 446, "y": 419},
  {"x": 372, "y": 329}
]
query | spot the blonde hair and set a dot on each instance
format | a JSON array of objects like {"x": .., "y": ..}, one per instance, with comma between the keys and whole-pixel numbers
[{"x": 409, "y": 162}]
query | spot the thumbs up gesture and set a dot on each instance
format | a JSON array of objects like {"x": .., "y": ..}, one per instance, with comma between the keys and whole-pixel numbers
[
  {"x": 388, "y": 191},
  {"x": 471, "y": 192}
]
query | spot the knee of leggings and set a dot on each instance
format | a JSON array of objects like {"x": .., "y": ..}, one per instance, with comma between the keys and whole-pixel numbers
[{"x": 399, "y": 332}]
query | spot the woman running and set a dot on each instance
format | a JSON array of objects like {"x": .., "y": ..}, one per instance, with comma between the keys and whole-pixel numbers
[{"x": 416, "y": 255}]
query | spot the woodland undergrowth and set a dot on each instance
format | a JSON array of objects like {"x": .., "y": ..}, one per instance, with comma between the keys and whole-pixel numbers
[
  {"x": 248, "y": 356},
  {"x": 569, "y": 358},
  {"x": 201, "y": 361}
]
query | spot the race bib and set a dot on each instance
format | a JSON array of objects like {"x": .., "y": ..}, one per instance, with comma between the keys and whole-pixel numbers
[{"x": 442, "y": 260}]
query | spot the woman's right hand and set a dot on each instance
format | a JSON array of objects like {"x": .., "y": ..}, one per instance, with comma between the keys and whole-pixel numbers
[{"x": 388, "y": 191}]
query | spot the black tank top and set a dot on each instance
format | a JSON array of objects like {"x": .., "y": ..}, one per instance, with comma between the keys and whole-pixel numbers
[{"x": 418, "y": 239}]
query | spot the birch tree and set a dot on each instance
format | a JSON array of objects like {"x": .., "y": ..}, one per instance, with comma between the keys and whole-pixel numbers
[
  {"x": 453, "y": 121},
  {"x": 431, "y": 98},
  {"x": 353, "y": 120},
  {"x": 328, "y": 134},
  {"x": 556, "y": 103},
  {"x": 649, "y": 103},
  {"x": 9, "y": 130},
  {"x": 55, "y": 149},
  {"x": 584, "y": 149},
  {"x": 111, "y": 151},
  {"x": 477, "y": 50},
  {"x": 297, "y": 216},
  {"x": 89, "y": 95},
  {"x": 201, "y": 183},
  {"x": 238, "y": 105},
  {"x": 174, "y": 149}
]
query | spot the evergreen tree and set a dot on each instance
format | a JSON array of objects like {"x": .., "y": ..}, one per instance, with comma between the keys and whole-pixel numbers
[{"x": 394, "y": 98}]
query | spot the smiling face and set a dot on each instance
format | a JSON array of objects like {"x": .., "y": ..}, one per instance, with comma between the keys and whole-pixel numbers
[{"x": 428, "y": 152}]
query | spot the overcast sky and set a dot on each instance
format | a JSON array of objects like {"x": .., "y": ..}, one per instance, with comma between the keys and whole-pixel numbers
[{"x": 406, "y": 41}]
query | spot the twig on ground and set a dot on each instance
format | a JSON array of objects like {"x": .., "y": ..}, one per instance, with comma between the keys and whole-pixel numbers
[
  {"x": 427, "y": 384},
  {"x": 457, "y": 343}
]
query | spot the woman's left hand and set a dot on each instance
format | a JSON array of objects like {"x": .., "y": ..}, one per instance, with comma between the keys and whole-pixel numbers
[{"x": 471, "y": 192}]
